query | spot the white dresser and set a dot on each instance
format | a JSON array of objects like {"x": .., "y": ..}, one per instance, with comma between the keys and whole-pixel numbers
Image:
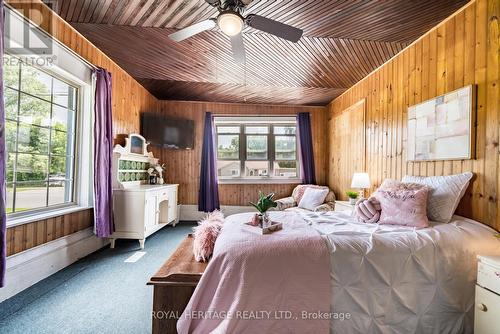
[
  {"x": 142, "y": 210},
  {"x": 139, "y": 209},
  {"x": 487, "y": 312}
]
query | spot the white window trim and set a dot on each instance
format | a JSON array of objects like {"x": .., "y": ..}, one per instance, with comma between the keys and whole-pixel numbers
[
  {"x": 75, "y": 69},
  {"x": 83, "y": 179},
  {"x": 256, "y": 120}
]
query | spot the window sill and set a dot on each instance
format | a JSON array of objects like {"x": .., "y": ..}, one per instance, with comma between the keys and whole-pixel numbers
[
  {"x": 259, "y": 181},
  {"x": 29, "y": 218}
]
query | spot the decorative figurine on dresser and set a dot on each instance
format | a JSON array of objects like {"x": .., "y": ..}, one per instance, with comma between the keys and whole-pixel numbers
[{"x": 140, "y": 208}]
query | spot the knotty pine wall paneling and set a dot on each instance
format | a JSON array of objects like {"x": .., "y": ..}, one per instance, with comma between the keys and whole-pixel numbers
[
  {"x": 462, "y": 50},
  {"x": 183, "y": 166},
  {"x": 129, "y": 100},
  {"x": 347, "y": 145}
]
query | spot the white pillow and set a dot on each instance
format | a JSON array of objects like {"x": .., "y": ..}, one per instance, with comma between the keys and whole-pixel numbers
[
  {"x": 445, "y": 193},
  {"x": 312, "y": 198}
]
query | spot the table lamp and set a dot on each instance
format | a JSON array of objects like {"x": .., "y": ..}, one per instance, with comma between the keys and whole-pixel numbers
[{"x": 361, "y": 181}]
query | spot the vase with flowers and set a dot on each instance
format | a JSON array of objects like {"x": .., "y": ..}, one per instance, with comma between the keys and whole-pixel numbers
[{"x": 264, "y": 203}]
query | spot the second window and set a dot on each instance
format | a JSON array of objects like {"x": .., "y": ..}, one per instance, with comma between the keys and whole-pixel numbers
[{"x": 256, "y": 149}]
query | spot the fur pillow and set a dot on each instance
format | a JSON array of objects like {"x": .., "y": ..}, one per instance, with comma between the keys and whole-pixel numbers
[
  {"x": 368, "y": 210},
  {"x": 403, "y": 203},
  {"x": 205, "y": 235}
]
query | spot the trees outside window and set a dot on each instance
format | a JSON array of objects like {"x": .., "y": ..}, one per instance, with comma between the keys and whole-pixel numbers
[{"x": 40, "y": 135}]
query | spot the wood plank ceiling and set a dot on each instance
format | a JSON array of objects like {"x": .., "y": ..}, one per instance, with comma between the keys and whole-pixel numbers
[{"x": 343, "y": 41}]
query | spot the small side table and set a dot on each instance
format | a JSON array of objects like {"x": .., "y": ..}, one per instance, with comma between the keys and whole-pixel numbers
[{"x": 344, "y": 206}]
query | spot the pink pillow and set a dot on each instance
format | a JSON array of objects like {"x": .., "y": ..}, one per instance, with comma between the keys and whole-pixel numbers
[
  {"x": 367, "y": 210},
  {"x": 205, "y": 235},
  {"x": 403, "y": 204}
]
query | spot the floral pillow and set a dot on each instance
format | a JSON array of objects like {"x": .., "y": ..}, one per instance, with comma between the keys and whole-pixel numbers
[{"x": 403, "y": 204}]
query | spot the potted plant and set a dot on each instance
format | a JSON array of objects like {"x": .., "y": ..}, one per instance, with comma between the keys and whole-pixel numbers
[
  {"x": 264, "y": 203},
  {"x": 353, "y": 196}
]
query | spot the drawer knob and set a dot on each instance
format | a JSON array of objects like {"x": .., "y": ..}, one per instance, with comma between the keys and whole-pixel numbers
[{"x": 482, "y": 307}]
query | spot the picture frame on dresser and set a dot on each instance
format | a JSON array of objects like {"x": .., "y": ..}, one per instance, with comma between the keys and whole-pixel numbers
[{"x": 139, "y": 208}]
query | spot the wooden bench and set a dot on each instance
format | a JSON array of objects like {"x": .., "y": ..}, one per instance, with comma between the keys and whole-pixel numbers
[{"x": 173, "y": 284}]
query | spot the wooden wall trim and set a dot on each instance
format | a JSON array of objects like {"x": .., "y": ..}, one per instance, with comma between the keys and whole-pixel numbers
[{"x": 460, "y": 51}]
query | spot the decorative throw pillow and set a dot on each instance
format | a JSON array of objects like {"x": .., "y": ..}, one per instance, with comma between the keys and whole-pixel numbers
[
  {"x": 205, "y": 235},
  {"x": 445, "y": 192},
  {"x": 299, "y": 190},
  {"x": 312, "y": 198},
  {"x": 403, "y": 204},
  {"x": 368, "y": 210}
]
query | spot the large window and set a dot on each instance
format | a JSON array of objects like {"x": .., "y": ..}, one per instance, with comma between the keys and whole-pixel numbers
[
  {"x": 257, "y": 148},
  {"x": 40, "y": 123}
]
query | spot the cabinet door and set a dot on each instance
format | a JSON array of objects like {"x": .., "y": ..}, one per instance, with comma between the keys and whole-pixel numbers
[
  {"x": 163, "y": 212},
  {"x": 487, "y": 310},
  {"x": 151, "y": 212},
  {"x": 172, "y": 204}
]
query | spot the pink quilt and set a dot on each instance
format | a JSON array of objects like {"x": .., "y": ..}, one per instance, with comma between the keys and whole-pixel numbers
[{"x": 277, "y": 283}]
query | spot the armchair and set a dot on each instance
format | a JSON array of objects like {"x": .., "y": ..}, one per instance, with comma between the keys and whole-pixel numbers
[{"x": 291, "y": 203}]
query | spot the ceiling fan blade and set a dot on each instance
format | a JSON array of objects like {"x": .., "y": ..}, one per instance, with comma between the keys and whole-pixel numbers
[
  {"x": 238, "y": 48},
  {"x": 274, "y": 27},
  {"x": 193, "y": 30}
]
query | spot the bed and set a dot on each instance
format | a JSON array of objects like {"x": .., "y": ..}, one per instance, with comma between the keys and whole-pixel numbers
[{"x": 379, "y": 278}]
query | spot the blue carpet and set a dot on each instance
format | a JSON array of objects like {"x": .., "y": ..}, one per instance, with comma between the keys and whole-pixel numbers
[{"x": 97, "y": 294}]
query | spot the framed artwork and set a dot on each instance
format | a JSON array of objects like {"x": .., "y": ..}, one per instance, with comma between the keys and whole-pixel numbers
[{"x": 442, "y": 128}]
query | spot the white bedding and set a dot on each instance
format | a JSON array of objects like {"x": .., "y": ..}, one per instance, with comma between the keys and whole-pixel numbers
[{"x": 391, "y": 279}]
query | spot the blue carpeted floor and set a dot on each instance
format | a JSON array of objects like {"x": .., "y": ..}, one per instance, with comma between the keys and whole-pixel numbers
[{"x": 98, "y": 294}]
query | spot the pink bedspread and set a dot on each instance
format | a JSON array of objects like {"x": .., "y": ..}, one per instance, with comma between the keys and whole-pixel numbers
[{"x": 277, "y": 283}]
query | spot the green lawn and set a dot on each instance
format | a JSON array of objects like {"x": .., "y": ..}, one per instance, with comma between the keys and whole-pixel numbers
[{"x": 9, "y": 210}]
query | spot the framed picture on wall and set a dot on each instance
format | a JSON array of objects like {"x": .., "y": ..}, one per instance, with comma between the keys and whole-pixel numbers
[{"x": 442, "y": 128}]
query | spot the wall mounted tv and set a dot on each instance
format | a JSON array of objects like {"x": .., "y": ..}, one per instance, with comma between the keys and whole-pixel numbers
[{"x": 171, "y": 133}]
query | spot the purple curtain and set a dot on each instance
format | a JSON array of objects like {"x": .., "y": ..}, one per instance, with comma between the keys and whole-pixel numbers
[
  {"x": 3, "y": 156},
  {"x": 208, "y": 197},
  {"x": 306, "y": 148},
  {"x": 103, "y": 153}
]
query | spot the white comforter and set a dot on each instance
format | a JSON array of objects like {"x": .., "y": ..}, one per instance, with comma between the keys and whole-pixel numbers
[{"x": 390, "y": 279}]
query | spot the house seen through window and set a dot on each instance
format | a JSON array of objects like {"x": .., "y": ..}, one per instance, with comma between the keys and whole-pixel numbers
[
  {"x": 40, "y": 123},
  {"x": 257, "y": 148}
]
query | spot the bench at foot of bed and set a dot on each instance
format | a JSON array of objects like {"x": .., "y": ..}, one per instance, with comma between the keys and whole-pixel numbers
[{"x": 173, "y": 286}]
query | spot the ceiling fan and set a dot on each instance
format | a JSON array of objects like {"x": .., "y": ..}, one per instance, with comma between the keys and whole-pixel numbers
[{"x": 231, "y": 22}]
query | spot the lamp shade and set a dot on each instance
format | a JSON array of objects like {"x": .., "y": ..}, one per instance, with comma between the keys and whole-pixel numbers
[{"x": 360, "y": 181}]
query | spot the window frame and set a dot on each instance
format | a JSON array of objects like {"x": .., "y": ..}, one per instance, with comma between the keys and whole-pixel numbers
[
  {"x": 67, "y": 65},
  {"x": 270, "y": 123},
  {"x": 74, "y": 162}
]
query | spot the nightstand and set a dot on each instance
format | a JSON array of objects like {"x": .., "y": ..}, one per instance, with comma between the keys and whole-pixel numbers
[
  {"x": 486, "y": 320},
  {"x": 344, "y": 206}
]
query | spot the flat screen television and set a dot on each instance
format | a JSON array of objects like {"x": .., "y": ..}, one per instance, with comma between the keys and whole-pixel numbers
[{"x": 171, "y": 133}]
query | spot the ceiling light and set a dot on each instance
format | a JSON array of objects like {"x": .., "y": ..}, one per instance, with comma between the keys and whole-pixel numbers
[{"x": 230, "y": 23}]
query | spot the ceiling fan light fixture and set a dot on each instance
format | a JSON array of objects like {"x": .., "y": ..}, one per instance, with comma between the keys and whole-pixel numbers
[{"x": 230, "y": 23}]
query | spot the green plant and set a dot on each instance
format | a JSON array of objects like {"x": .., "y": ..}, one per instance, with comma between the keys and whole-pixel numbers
[
  {"x": 265, "y": 202},
  {"x": 497, "y": 235},
  {"x": 352, "y": 194}
]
